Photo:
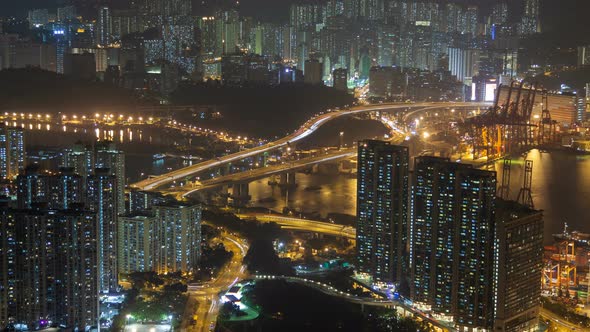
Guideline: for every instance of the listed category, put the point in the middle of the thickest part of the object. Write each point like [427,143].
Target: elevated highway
[260,173]
[306,225]
[305,130]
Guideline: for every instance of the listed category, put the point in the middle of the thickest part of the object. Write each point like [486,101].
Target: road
[207,296]
[304,224]
[568,326]
[305,130]
[259,173]
[330,290]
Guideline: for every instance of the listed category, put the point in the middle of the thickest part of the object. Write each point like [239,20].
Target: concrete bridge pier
[240,194]
[225,169]
[218,196]
[288,180]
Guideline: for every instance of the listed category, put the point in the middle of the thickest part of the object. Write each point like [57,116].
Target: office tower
[107,156]
[519,264]
[312,72]
[463,63]
[452,234]
[135,245]
[49,268]
[38,17]
[59,191]
[177,237]
[382,210]
[340,77]
[81,158]
[104,26]
[12,151]
[102,199]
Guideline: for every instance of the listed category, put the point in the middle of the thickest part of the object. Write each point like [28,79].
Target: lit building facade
[382,210]
[109,157]
[49,268]
[135,245]
[57,191]
[518,266]
[102,199]
[452,234]
[12,151]
[176,237]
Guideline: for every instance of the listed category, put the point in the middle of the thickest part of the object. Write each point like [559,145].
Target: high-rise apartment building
[104,30]
[135,245]
[12,151]
[499,13]
[141,201]
[176,237]
[59,191]
[81,158]
[518,266]
[452,234]
[48,268]
[102,199]
[530,22]
[382,210]
[109,157]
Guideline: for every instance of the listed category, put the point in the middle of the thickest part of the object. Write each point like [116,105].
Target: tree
[262,258]
[175,288]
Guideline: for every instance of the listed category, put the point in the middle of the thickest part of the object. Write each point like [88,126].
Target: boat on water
[313,188]
[579,238]
[159,156]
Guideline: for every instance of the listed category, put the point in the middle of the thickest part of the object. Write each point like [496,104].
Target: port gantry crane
[506,126]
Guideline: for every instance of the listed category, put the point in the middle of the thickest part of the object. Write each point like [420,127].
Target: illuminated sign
[490,91]
[423,23]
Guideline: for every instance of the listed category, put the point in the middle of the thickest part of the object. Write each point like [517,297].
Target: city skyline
[354,165]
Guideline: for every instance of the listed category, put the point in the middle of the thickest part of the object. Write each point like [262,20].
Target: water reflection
[560,187]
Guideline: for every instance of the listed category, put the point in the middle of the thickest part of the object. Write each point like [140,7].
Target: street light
[128,318]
